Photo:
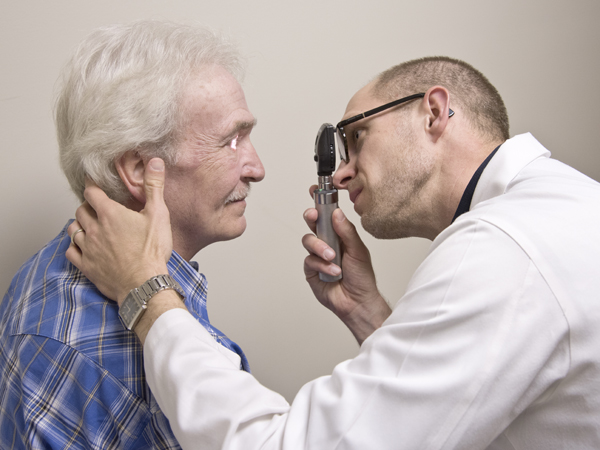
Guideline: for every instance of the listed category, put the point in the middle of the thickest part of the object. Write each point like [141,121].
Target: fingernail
[157,164]
[329,254]
[335,270]
[341,216]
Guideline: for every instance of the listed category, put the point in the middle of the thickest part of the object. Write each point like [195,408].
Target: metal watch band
[135,303]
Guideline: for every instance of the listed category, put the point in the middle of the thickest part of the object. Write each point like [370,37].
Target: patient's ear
[130,167]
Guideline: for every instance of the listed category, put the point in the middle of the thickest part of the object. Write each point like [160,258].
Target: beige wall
[306,60]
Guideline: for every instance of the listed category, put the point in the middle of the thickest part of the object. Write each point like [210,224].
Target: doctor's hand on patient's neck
[120,249]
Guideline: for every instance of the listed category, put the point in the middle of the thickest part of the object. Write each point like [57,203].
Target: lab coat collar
[510,159]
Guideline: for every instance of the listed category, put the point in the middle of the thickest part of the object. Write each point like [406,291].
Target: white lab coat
[495,345]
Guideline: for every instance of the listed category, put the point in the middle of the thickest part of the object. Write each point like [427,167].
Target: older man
[493,346]
[71,372]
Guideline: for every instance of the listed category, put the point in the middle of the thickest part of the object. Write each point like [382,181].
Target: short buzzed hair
[478,99]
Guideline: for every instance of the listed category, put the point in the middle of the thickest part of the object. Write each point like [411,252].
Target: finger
[77,234]
[93,194]
[314,264]
[317,247]
[73,252]
[84,216]
[346,230]
[312,189]
[75,225]
[310,217]
[75,256]
[154,183]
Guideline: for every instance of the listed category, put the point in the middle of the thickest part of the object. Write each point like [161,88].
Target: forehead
[362,101]
[215,101]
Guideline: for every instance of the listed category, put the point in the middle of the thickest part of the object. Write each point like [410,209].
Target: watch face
[135,303]
[131,311]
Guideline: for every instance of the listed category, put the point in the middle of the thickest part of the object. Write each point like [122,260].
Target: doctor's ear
[437,104]
[131,168]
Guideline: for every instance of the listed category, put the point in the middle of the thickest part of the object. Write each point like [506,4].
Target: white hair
[122,91]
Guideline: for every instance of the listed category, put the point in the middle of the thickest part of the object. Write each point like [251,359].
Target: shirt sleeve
[57,398]
[477,338]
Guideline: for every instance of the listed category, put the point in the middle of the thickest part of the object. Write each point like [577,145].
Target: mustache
[239,194]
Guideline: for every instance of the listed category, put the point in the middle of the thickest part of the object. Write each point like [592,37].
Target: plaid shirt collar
[195,286]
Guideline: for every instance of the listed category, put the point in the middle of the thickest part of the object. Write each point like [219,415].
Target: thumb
[154,181]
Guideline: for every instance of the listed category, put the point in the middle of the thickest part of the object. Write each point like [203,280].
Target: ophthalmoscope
[326,195]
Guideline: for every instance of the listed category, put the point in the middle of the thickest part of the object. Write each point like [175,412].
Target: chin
[235,230]
[381,228]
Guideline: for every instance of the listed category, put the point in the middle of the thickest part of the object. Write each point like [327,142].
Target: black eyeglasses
[341,135]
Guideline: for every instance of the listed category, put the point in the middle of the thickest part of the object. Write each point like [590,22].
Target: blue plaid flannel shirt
[71,376]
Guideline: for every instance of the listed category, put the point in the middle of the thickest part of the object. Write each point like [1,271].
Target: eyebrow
[243,125]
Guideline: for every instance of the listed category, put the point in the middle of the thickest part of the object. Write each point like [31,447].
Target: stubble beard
[394,209]
[387,217]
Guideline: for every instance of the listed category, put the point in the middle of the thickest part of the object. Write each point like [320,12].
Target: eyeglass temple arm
[392,104]
[343,123]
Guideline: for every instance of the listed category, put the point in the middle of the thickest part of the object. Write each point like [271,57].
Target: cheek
[185,190]
[203,183]
[372,172]
[226,174]
[217,165]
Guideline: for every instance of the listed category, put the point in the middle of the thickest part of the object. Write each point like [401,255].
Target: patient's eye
[233,142]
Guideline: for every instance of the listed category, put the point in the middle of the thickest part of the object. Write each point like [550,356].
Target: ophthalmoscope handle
[326,201]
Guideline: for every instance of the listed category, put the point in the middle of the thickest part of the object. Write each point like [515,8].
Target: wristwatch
[135,304]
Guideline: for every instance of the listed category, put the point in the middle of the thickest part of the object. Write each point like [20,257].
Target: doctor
[494,344]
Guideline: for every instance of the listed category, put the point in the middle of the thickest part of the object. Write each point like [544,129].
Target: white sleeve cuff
[178,323]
